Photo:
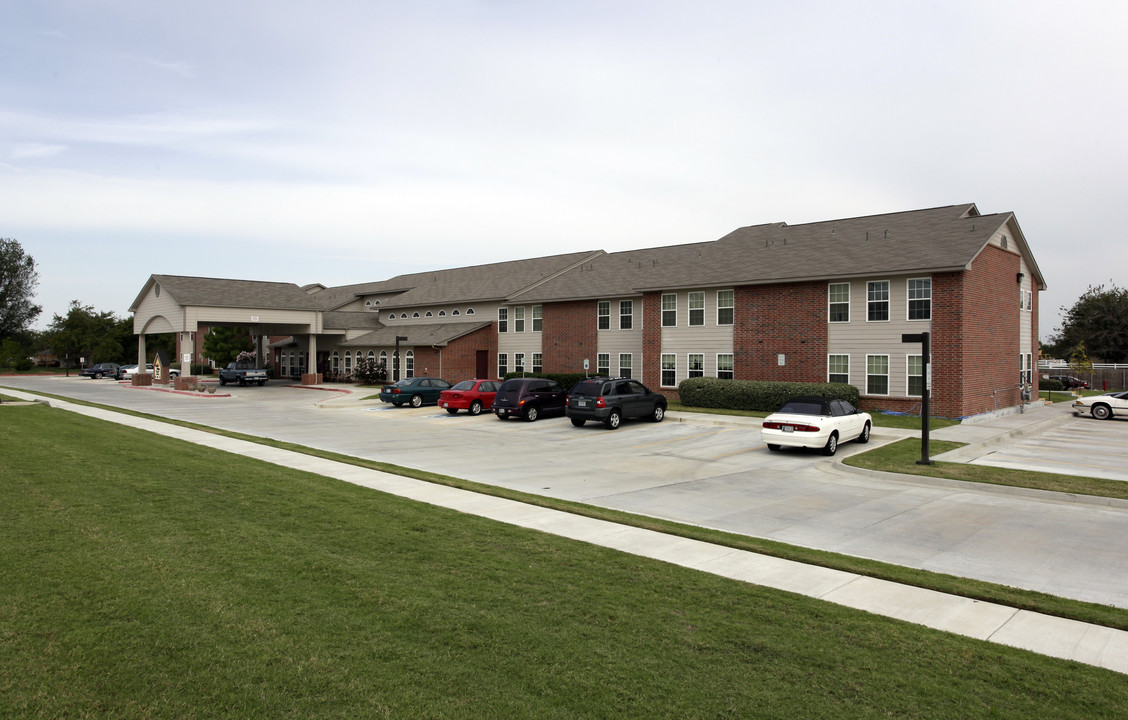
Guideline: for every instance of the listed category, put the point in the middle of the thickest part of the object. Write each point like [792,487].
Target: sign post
[926,360]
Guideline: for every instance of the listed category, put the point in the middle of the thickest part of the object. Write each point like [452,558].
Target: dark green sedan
[414,391]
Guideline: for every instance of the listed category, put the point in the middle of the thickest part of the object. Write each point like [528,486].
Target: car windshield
[802,408]
[510,385]
[588,387]
[464,385]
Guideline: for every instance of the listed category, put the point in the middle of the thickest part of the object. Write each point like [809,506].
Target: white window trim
[888,383]
[690,309]
[829,302]
[888,300]
[726,307]
[689,364]
[731,356]
[909,299]
[663,369]
[664,310]
[909,375]
[829,356]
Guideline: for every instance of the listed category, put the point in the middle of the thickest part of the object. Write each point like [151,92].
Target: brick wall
[460,357]
[771,320]
[569,336]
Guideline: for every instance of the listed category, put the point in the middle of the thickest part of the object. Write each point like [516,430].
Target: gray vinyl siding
[859,338]
[709,339]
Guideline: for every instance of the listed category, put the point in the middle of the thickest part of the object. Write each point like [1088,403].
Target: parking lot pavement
[704,472]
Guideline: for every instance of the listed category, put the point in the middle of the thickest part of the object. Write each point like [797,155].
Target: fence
[1103,376]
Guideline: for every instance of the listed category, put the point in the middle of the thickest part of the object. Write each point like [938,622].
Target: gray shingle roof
[421,334]
[936,239]
[217,292]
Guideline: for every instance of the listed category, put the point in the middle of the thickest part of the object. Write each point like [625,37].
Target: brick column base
[311,378]
[141,379]
[185,383]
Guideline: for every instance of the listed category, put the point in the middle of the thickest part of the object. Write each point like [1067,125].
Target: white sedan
[1102,407]
[816,422]
[129,371]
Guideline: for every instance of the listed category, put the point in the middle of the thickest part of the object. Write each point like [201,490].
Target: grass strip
[146,577]
[1022,599]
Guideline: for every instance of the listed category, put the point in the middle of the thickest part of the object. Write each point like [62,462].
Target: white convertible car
[1102,407]
[816,422]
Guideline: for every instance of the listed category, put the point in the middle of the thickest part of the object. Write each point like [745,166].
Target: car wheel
[261,383]
[578,422]
[452,411]
[864,437]
[773,447]
[658,414]
[831,446]
[242,382]
[613,420]
[97,376]
[501,416]
[475,408]
[223,381]
[531,413]
[1102,412]
[416,400]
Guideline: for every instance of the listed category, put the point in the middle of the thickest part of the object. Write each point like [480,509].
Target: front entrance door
[482,364]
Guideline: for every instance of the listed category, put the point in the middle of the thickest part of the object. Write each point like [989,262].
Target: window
[626,315]
[625,361]
[503,320]
[348,364]
[838,368]
[335,364]
[415,314]
[454,312]
[669,310]
[603,310]
[1027,368]
[519,362]
[442,313]
[519,318]
[724,366]
[838,302]
[669,370]
[877,301]
[428,314]
[537,364]
[915,364]
[1026,299]
[502,364]
[603,364]
[384,359]
[538,318]
[725,307]
[920,298]
[469,311]
[696,365]
[696,309]
[409,364]
[877,374]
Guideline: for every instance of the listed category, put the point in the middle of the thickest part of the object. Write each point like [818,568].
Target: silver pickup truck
[242,373]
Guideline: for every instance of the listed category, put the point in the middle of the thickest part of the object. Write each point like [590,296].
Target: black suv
[528,398]
[609,400]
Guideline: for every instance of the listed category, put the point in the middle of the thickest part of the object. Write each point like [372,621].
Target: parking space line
[679,439]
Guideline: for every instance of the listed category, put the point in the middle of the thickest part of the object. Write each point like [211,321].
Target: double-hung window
[625,363]
[838,302]
[724,366]
[502,364]
[877,374]
[838,368]
[603,364]
[669,370]
[726,304]
[915,365]
[603,314]
[538,318]
[538,365]
[519,318]
[696,309]
[626,315]
[518,362]
[503,320]
[877,301]
[920,298]
[669,310]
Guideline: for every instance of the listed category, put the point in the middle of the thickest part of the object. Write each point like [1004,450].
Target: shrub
[757,395]
[23,364]
[370,371]
[1047,384]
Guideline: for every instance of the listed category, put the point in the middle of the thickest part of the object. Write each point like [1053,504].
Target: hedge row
[1046,384]
[758,395]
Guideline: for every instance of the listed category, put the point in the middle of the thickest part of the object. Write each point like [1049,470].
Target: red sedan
[473,396]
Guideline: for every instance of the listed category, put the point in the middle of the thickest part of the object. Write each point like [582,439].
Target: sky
[347,141]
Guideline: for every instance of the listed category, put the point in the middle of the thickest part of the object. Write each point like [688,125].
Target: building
[812,302]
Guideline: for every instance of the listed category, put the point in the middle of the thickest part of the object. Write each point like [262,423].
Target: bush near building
[756,395]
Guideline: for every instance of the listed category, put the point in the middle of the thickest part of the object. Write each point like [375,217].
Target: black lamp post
[396,358]
[926,361]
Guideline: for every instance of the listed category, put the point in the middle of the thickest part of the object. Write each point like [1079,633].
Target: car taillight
[798,428]
[600,402]
[395,390]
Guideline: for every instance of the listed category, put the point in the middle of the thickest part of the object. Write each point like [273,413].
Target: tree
[18,279]
[223,344]
[85,333]
[1099,320]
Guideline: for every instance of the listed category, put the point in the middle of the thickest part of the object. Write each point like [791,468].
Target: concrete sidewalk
[1047,635]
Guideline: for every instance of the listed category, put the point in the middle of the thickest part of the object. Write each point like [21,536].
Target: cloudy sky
[346,141]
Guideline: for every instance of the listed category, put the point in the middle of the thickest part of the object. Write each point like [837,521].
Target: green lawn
[144,577]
